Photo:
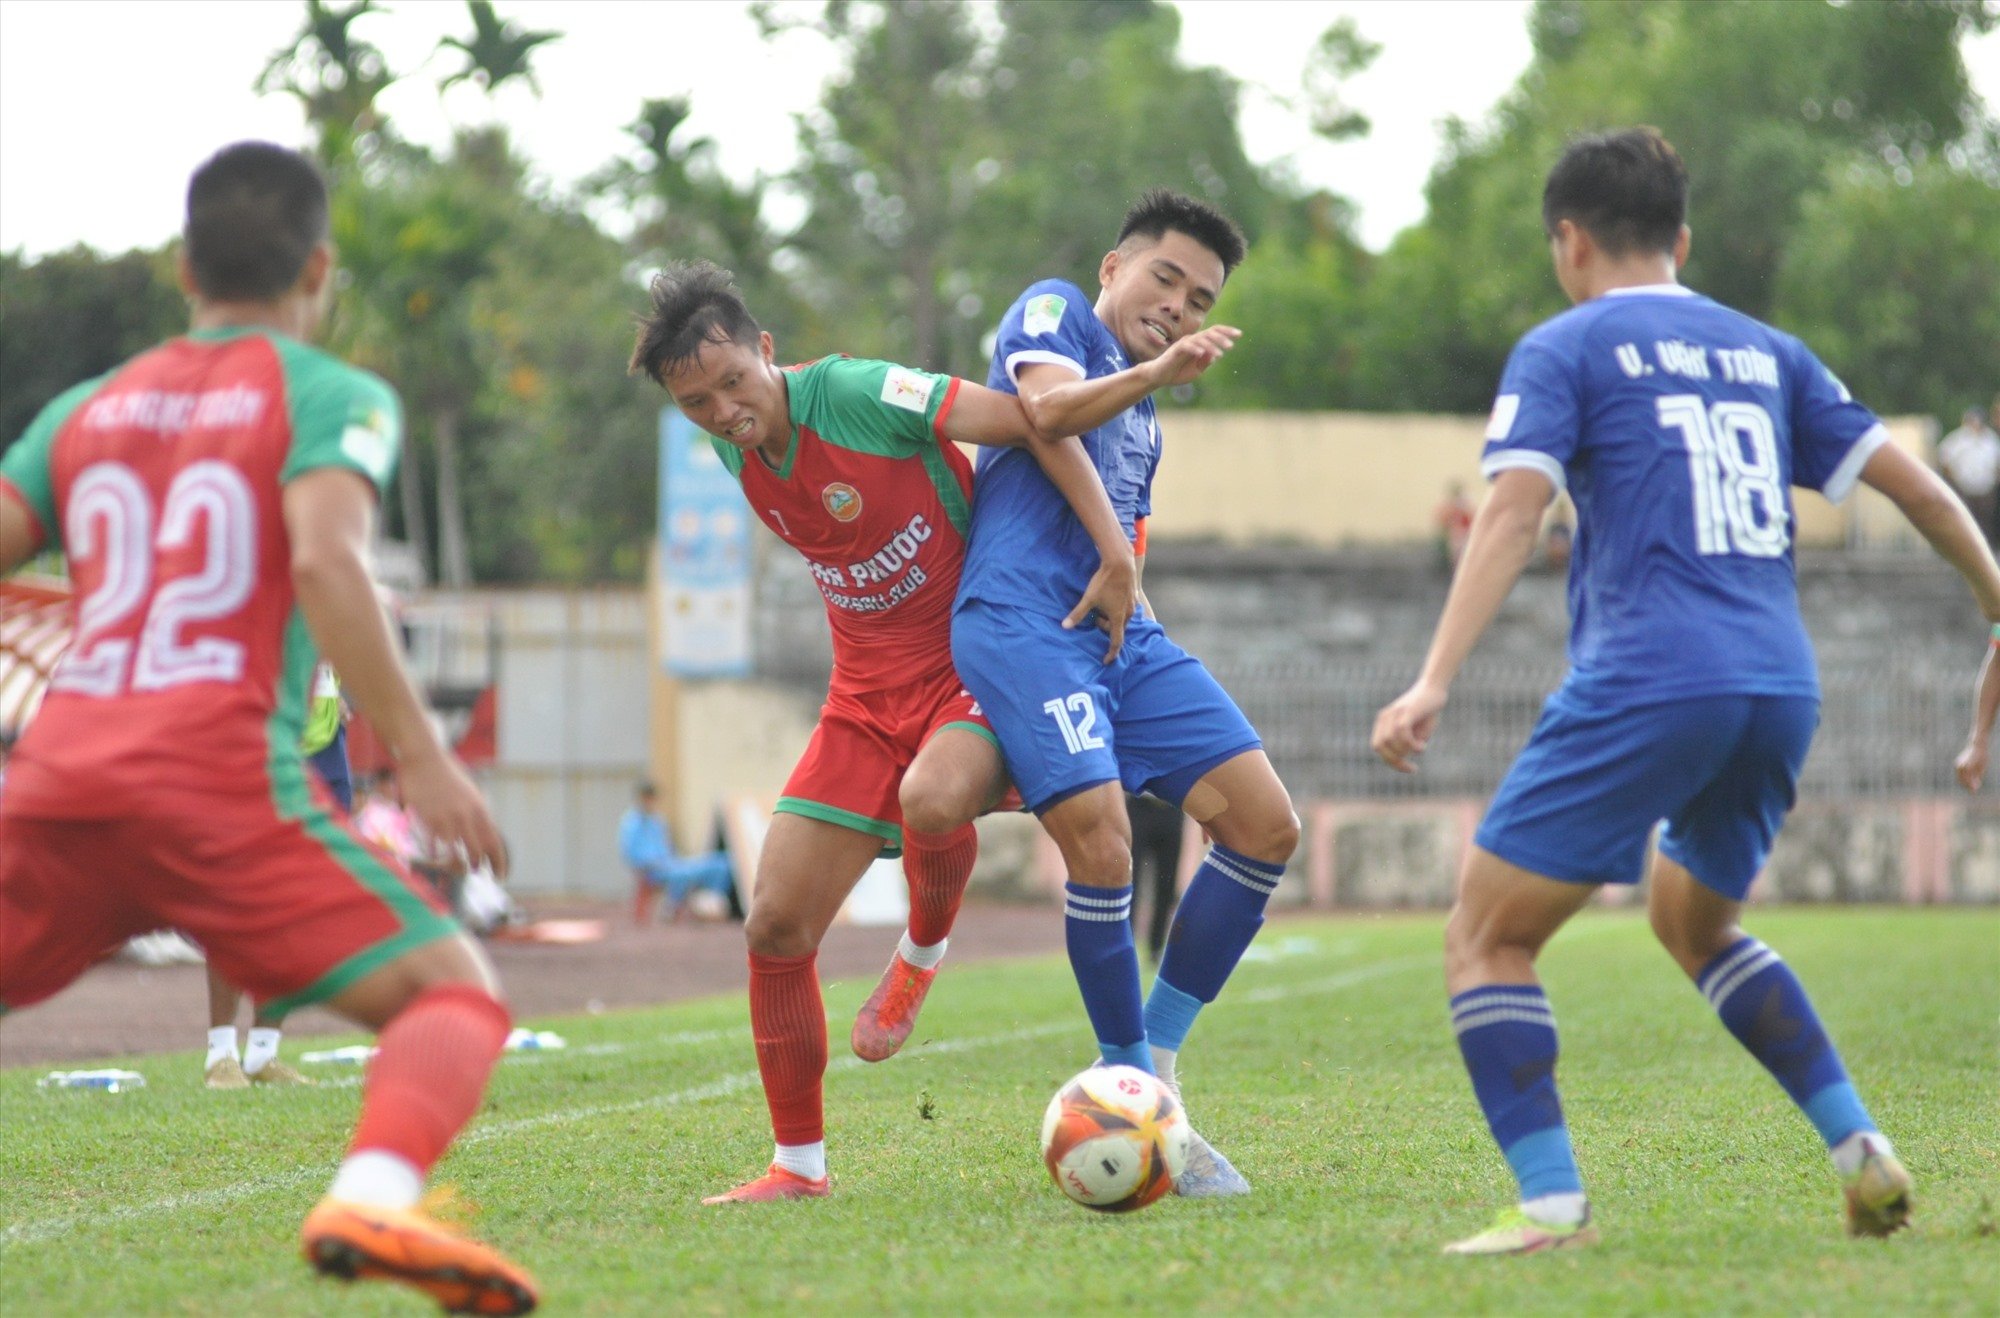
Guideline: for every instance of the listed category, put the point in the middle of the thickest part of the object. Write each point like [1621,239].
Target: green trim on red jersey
[342,416]
[25,465]
[871,407]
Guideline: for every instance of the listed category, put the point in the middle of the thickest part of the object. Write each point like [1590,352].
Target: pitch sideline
[29,1233]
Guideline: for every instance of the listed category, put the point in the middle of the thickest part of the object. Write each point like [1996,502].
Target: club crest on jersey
[842,500]
[907,389]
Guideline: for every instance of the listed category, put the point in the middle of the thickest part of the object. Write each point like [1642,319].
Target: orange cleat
[771,1186]
[357,1242]
[890,1013]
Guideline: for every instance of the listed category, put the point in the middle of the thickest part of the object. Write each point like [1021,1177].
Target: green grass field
[1327,1073]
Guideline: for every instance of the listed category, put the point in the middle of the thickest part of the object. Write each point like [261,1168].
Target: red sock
[425,1083]
[788,1021]
[937,866]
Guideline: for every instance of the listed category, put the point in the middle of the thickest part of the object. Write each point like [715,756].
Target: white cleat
[1208,1174]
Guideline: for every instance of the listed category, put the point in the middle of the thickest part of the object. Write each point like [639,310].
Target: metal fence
[1312,645]
[1888,726]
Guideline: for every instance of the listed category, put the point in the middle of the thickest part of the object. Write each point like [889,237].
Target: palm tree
[498,50]
[336,77]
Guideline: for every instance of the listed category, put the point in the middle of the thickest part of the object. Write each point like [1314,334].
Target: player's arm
[329,515]
[1943,519]
[1503,538]
[1971,762]
[1059,403]
[980,415]
[20,532]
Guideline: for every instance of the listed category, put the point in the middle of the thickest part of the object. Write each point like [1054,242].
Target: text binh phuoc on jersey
[877,501]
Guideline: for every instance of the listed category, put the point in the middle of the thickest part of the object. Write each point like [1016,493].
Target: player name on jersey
[1690,361]
[167,413]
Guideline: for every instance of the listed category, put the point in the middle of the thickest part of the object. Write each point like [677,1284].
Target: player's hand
[445,800]
[1112,594]
[1185,359]
[1404,726]
[1971,766]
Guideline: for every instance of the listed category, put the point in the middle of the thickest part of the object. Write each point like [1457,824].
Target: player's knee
[1101,858]
[772,932]
[1691,942]
[931,805]
[1280,840]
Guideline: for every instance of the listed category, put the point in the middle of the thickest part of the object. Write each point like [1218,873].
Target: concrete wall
[1377,855]
[1358,478]
[572,733]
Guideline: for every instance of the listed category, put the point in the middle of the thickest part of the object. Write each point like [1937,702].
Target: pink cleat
[773,1185]
[890,1013]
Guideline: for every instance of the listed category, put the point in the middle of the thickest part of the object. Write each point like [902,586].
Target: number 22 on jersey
[109,524]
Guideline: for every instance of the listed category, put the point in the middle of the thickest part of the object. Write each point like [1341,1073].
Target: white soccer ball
[1115,1139]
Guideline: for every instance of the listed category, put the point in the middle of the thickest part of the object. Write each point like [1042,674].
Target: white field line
[29,1233]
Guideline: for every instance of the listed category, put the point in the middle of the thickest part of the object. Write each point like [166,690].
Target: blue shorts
[1153,719]
[1586,791]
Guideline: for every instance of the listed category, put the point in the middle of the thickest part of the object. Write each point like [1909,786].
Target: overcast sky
[107,105]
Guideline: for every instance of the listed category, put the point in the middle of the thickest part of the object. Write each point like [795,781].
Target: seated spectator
[648,851]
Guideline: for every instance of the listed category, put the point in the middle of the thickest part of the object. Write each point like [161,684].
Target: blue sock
[1097,926]
[1766,1008]
[1221,913]
[1507,1035]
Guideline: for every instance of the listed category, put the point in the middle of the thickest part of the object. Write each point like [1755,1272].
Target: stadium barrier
[1406,854]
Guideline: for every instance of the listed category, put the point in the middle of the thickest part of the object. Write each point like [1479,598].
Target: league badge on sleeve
[367,444]
[908,390]
[1043,314]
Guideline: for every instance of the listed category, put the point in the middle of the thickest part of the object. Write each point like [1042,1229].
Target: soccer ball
[1115,1138]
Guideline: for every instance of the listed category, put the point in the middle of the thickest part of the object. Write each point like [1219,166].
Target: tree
[334,75]
[497,52]
[72,315]
[884,172]
[1894,278]
[1763,100]
[945,169]
[682,206]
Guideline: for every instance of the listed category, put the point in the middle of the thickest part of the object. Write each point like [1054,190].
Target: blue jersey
[1028,550]
[1679,427]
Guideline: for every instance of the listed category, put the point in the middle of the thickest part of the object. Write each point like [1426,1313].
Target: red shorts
[853,767]
[290,911]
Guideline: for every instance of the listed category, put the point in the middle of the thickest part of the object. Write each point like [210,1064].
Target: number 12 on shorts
[1075,714]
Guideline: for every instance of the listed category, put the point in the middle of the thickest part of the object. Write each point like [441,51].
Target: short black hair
[694,302]
[255,211]
[1161,209]
[1627,188]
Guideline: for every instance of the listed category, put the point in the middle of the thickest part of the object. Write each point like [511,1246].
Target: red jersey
[162,482]
[878,502]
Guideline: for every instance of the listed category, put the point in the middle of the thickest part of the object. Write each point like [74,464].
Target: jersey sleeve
[878,406]
[25,468]
[1049,324]
[1537,417]
[1832,435]
[342,417]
